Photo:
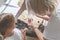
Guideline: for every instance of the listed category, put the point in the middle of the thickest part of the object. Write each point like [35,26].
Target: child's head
[7,24]
[42,6]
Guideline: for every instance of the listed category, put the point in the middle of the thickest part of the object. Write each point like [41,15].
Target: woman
[47,7]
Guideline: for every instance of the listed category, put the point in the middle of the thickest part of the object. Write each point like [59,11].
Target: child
[8,30]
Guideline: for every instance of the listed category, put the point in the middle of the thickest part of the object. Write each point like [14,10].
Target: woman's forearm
[39,34]
[45,17]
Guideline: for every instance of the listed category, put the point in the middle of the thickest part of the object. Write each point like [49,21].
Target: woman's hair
[41,6]
[1,37]
[6,21]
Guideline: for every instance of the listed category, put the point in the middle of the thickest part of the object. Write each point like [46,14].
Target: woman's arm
[38,33]
[36,30]
[46,17]
[23,7]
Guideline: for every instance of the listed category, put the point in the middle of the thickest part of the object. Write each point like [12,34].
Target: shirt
[52,31]
[16,36]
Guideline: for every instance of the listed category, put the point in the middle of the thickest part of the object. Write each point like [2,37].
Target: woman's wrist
[35,28]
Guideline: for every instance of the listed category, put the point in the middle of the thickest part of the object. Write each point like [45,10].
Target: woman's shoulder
[58,7]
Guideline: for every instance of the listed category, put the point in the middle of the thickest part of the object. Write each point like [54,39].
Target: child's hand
[24,33]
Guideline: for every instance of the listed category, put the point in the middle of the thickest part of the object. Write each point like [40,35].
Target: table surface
[24,18]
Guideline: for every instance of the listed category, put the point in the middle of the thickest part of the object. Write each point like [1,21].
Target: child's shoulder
[16,30]
[16,36]
[17,33]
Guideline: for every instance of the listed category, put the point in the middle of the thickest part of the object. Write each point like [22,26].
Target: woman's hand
[46,17]
[30,24]
[36,30]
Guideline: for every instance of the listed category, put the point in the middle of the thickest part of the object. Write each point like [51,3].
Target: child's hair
[6,21]
[39,6]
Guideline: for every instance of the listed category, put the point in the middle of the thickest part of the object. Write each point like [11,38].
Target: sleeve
[18,34]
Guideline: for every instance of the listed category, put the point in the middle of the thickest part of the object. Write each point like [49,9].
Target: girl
[8,30]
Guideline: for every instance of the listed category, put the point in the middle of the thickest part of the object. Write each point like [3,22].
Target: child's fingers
[24,33]
[24,30]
